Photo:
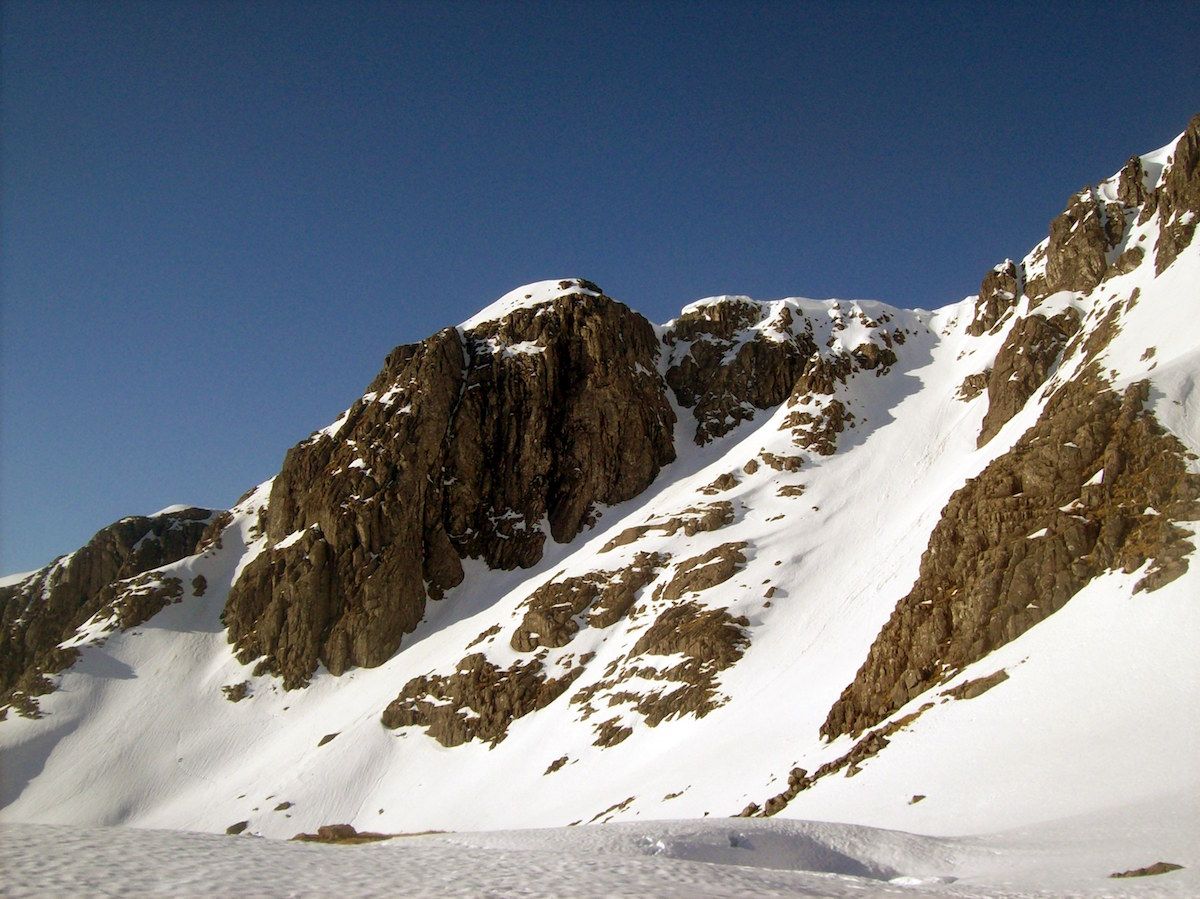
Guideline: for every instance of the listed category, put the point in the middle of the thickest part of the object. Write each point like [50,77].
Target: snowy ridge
[809,519]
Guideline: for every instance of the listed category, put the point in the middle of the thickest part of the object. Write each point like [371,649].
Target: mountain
[824,559]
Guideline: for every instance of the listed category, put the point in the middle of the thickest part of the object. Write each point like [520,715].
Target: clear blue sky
[217,218]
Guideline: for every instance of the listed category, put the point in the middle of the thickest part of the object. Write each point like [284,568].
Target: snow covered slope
[823,559]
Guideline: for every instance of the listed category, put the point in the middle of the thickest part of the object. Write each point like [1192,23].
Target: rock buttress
[49,606]
[461,447]
[1096,484]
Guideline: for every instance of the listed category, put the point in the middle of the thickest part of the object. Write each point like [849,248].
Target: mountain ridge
[564,536]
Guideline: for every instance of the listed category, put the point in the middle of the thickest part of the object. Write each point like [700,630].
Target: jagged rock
[1076,256]
[1131,183]
[1096,484]
[691,521]
[49,606]
[236,692]
[478,701]
[554,609]
[710,640]
[722,392]
[1150,870]
[998,294]
[1177,199]
[1028,354]
[1125,263]
[706,570]
[969,689]
[462,445]
[973,385]
[817,431]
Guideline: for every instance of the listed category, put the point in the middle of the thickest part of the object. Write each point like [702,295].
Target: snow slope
[668,858]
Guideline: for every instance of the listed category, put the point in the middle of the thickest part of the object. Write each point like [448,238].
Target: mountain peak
[530,296]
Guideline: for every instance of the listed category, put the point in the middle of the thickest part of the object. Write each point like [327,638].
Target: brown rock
[1017,542]
[459,448]
[48,607]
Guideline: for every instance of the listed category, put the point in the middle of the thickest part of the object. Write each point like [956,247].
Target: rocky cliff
[559,564]
[46,608]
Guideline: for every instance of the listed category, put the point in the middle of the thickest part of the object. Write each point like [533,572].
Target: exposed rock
[1150,870]
[997,295]
[235,829]
[1177,199]
[817,431]
[851,762]
[723,392]
[782,463]
[199,585]
[341,834]
[478,701]
[790,490]
[973,385]
[556,764]
[1029,353]
[969,689]
[283,806]
[1125,263]
[48,607]
[1095,485]
[462,445]
[327,738]
[1131,183]
[707,570]
[554,609]
[611,732]
[722,483]
[711,640]
[236,692]
[1076,256]
[485,634]
[691,521]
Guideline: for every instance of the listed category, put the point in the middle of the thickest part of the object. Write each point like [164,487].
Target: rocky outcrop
[462,447]
[690,521]
[706,570]
[1095,485]
[46,608]
[1026,358]
[1077,253]
[710,640]
[478,701]
[1177,199]
[554,610]
[724,371]
[1001,288]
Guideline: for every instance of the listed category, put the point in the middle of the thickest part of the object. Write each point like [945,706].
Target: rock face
[478,701]
[1028,354]
[1080,238]
[998,293]
[1096,485]
[47,608]
[1177,199]
[462,446]
[724,391]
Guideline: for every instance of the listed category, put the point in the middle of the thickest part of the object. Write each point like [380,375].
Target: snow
[171,510]
[9,580]
[1081,763]
[529,296]
[714,858]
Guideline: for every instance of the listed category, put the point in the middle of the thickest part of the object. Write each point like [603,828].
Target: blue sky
[217,218]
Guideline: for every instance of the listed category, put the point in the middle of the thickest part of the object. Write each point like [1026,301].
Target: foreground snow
[712,857]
